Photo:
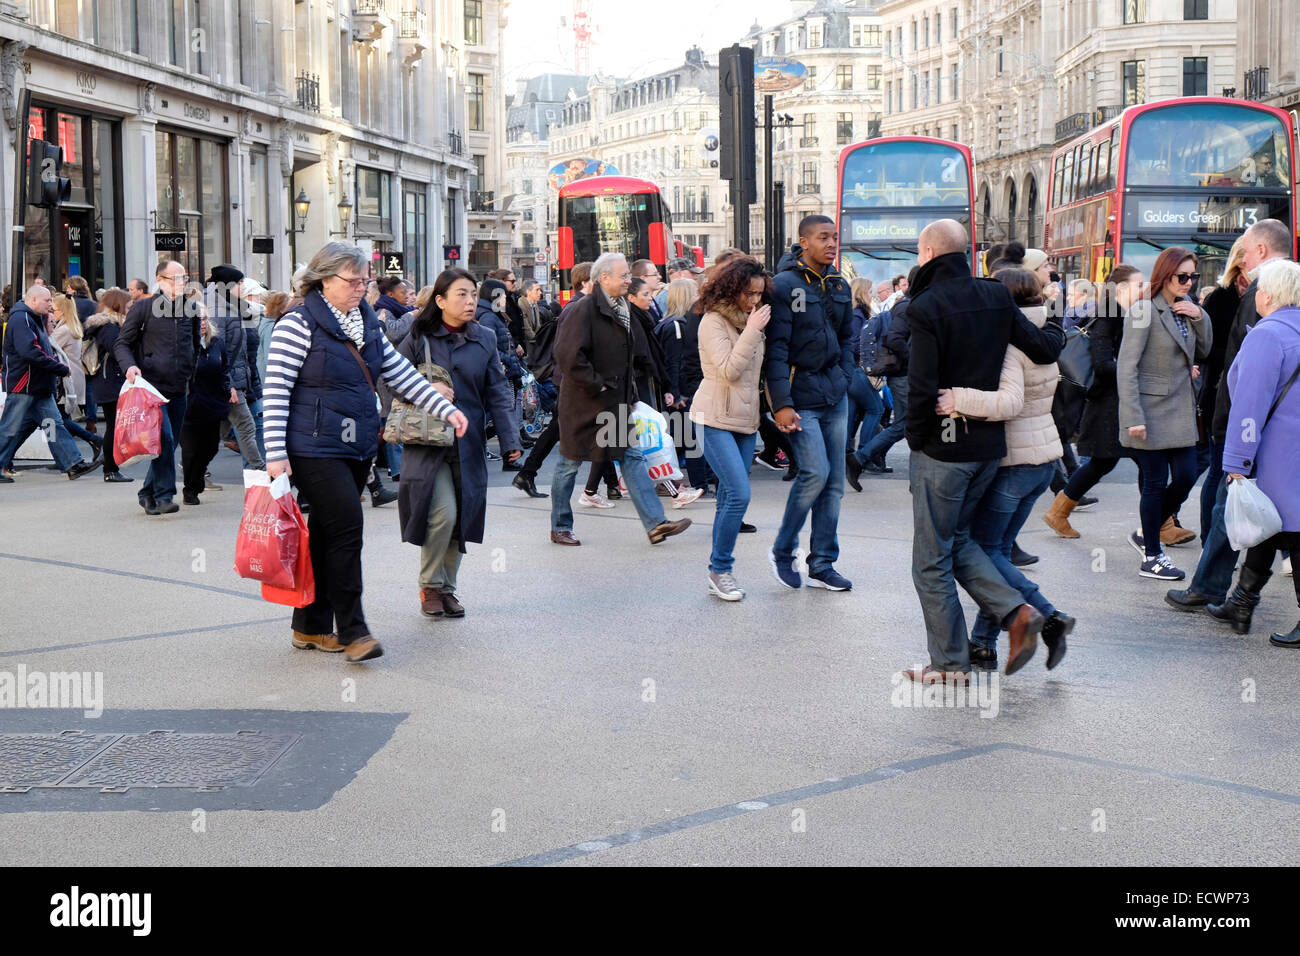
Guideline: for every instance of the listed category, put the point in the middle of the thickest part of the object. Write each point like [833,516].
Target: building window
[916,88]
[191,175]
[476,90]
[925,32]
[809,184]
[415,229]
[914,36]
[954,23]
[954,81]
[478,178]
[810,84]
[938,85]
[1135,11]
[1001,56]
[844,77]
[889,96]
[955,130]
[474,22]
[865,34]
[1135,81]
[809,129]
[843,129]
[259,207]
[1196,76]
[938,28]
[374,203]
[1196,9]
[814,35]
[873,77]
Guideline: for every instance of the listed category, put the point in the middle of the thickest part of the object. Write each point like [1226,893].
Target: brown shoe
[320,642]
[231,444]
[1023,637]
[1058,516]
[431,602]
[564,537]
[667,529]
[1172,533]
[932,675]
[362,649]
[453,607]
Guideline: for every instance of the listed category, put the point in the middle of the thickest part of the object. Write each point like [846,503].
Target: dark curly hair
[731,279]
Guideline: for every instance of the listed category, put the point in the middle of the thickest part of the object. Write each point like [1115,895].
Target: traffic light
[736,146]
[45,185]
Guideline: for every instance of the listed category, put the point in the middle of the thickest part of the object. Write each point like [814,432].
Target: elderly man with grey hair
[31,371]
[594,356]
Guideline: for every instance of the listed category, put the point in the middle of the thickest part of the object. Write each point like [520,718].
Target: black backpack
[542,359]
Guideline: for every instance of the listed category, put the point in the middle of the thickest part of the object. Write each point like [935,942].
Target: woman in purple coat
[1264,434]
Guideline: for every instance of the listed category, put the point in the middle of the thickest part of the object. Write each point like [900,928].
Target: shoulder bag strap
[365,370]
[1285,389]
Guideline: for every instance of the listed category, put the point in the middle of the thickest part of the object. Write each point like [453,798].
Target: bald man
[961,327]
[31,374]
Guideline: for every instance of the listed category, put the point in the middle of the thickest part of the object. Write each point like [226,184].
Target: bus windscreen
[617,223]
[906,174]
[1208,145]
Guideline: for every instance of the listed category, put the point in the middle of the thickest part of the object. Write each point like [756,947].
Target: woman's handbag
[1075,360]
[409,424]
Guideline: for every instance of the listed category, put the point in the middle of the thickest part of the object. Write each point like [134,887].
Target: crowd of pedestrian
[805,371]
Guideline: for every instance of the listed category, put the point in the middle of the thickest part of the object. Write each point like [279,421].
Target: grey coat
[229,314]
[1154,375]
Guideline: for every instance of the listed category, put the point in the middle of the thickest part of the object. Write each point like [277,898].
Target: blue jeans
[22,416]
[160,483]
[636,475]
[394,453]
[1210,487]
[76,431]
[886,439]
[998,519]
[945,496]
[866,409]
[730,454]
[1213,574]
[1166,476]
[819,486]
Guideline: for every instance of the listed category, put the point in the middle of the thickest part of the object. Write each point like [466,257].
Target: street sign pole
[769,222]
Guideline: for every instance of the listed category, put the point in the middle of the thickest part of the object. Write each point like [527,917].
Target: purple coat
[1268,356]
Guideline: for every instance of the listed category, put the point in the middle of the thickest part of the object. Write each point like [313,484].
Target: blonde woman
[106,384]
[68,334]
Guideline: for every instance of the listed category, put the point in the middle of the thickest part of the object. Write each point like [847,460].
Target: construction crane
[582,34]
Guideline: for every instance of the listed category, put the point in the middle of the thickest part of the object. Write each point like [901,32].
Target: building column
[139,194]
[433,228]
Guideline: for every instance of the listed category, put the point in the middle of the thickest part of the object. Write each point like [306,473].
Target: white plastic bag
[1249,517]
[651,433]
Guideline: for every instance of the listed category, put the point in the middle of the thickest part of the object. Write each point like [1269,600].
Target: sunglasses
[1186,277]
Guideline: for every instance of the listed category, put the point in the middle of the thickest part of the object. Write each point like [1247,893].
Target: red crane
[582,37]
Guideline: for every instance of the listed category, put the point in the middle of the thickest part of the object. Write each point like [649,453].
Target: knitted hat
[226,274]
[1034,258]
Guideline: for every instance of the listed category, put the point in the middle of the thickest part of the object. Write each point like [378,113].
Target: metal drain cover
[120,762]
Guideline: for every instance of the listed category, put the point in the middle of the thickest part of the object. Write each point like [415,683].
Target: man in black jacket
[960,329]
[1267,239]
[159,340]
[227,307]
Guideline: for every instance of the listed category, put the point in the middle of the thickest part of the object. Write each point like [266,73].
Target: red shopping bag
[137,432]
[304,590]
[270,532]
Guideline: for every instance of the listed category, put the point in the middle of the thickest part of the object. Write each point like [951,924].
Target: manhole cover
[159,758]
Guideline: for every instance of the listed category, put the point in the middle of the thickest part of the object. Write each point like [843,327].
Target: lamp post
[345,214]
[300,207]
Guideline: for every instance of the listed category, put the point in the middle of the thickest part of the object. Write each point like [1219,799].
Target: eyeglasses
[356,283]
[178,277]
[1186,277]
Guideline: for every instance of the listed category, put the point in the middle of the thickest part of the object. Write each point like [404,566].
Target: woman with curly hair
[726,406]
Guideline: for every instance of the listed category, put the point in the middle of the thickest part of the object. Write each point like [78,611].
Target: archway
[1031,211]
[1012,198]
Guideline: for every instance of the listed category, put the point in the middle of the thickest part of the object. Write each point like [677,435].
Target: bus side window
[1067,187]
[1114,158]
[1085,173]
[1103,167]
[1058,179]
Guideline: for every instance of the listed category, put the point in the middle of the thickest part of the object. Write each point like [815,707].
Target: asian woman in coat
[442,494]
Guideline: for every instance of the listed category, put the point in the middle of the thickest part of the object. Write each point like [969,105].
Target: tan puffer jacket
[1023,400]
[731,358]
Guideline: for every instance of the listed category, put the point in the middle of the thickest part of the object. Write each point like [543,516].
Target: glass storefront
[85,235]
[192,191]
[259,214]
[415,235]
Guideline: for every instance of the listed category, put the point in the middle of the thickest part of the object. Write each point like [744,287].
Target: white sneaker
[596,500]
[686,496]
[725,587]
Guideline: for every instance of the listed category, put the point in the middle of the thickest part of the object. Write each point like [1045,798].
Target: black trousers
[547,440]
[199,443]
[335,524]
[599,470]
[109,410]
[1260,558]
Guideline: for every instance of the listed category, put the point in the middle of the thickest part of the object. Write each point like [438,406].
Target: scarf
[353,326]
[620,308]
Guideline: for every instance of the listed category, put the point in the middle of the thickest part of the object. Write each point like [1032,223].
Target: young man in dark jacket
[31,371]
[807,369]
[960,329]
[159,340]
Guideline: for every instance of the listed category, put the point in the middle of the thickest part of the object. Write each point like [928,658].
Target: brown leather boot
[431,602]
[1022,637]
[1058,515]
[321,642]
[362,649]
[1171,532]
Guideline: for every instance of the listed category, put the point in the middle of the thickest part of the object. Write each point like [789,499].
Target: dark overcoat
[594,354]
[481,388]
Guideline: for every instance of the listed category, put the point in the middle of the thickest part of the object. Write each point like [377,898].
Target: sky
[632,38]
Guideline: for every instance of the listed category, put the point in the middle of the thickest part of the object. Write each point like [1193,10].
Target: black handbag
[1075,360]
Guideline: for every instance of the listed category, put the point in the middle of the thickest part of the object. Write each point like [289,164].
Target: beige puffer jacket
[731,358]
[1023,400]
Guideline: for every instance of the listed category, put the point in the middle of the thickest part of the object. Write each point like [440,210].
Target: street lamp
[300,207]
[345,214]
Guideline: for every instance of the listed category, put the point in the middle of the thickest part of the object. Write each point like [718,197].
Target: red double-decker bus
[611,214]
[890,189]
[1193,172]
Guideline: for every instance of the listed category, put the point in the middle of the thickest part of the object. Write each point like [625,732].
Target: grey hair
[605,264]
[1280,280]
[332,257]
[528,285]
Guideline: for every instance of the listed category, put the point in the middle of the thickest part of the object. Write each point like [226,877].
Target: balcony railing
[1072,126]
[807,142]
[694,215]
[809,189]
[309,92]
[456,143]
[412,27]
[370,8]
[1255,83]
[482,201]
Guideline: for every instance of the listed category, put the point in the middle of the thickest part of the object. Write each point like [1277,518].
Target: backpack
[542,359]
[90,357]
[869,341]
